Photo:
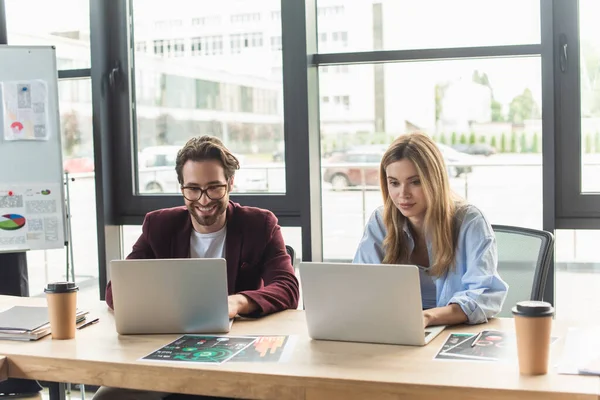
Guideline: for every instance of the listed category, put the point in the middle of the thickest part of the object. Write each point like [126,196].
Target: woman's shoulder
[470,215]
[376,218]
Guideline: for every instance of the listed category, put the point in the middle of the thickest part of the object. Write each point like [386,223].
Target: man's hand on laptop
[240,304]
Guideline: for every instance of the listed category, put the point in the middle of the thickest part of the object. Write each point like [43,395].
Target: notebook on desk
[28,323]
[364,303]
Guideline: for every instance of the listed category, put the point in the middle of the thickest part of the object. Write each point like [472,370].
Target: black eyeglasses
[213,192]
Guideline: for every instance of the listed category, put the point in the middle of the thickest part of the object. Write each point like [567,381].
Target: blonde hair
[439,224]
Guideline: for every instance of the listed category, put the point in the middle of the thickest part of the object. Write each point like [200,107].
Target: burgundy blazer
[258,265]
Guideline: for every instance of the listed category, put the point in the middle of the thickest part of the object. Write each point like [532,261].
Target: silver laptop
[170,296]
[364,303]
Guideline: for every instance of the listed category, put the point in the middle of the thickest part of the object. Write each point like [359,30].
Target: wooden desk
[317,369]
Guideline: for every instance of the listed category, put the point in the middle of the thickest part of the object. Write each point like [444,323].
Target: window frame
[129,207]
[575,209]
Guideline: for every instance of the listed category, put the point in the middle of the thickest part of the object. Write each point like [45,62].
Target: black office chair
[524,258]
[292,253]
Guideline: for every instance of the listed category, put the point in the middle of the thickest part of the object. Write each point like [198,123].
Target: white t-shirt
[208,245]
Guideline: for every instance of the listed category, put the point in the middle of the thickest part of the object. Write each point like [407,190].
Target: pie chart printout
[11,222]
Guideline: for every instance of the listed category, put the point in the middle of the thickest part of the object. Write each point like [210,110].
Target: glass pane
[590,94]
[61,23]
[78,159]
[485,115]
[365,25]
[206,68]
[578,274]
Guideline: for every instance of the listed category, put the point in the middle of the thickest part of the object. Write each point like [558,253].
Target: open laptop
[364,303]
[170,295]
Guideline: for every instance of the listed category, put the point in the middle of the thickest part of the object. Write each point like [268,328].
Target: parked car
[360,165]
[451,156]
[349,172]
[77,165]
[476,149]
[278,156]
[156,172]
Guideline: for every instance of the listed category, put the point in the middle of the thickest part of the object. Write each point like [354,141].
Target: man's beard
[208,220]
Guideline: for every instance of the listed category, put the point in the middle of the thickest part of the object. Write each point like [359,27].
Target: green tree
[493,142]
[481,78]
[463,138]
[523,107]
[524,147]
[482,139]
[497,115]
[496,107]
[597,142]
[443,139]
[71,133]
[535,145]
[590,78]
[453,139]
[588,143]
[503,143]
[440,92]
[472,138]
[513,143]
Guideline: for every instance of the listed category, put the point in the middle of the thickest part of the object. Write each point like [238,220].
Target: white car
[156,172]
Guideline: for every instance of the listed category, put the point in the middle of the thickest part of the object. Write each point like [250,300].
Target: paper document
[219,349]
[31,216]
[581,352]
[201,349]
[25,110]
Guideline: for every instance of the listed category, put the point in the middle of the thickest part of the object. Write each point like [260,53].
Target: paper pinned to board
[31,216]
[25,110]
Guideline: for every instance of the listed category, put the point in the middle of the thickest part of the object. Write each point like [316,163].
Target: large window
[63,23]
[590,94]
[485,116]
[577,274]
[481,77]
[363,25]
[222,78]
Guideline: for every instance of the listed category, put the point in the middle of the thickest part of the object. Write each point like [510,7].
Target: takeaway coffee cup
[533,325]
[62,308]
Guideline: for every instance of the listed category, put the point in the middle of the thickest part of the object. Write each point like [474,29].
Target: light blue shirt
[428,290]
[473,284]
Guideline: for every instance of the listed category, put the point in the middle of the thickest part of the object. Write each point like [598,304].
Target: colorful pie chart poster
[31,217]
[25,110]
[11,222]
[201,349]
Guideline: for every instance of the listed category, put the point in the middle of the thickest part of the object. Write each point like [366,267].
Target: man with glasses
[260,276]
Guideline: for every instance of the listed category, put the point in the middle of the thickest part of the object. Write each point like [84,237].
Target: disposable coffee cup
[533,325]
[62,309]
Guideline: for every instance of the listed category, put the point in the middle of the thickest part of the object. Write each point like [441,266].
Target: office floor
[72,395]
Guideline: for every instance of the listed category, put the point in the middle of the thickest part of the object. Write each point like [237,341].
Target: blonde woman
[423,223]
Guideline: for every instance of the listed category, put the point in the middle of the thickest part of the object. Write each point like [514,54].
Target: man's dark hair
[205,148]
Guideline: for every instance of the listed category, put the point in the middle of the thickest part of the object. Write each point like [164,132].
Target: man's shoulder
[247,214]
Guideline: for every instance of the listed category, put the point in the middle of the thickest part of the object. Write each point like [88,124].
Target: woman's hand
[451,314]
